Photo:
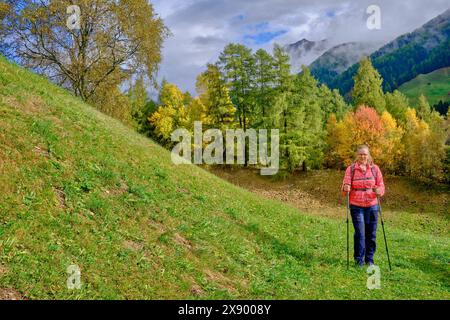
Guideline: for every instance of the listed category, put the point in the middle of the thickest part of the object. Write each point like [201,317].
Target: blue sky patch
[238,18]
[262,37]
[258,26]
[331,14]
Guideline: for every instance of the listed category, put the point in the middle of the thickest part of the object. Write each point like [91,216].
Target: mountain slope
[420,52]
[79,188]
[339,58]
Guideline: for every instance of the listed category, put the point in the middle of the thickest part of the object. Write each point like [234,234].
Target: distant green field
[435,86]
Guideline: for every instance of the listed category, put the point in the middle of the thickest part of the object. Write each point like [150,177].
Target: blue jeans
[365,222]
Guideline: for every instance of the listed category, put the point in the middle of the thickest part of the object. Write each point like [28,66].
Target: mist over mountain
[339,58]
[304,52]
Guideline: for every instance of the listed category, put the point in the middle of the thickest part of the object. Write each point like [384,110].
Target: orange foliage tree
[364,126]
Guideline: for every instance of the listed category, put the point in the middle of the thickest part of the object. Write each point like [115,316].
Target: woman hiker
[364,181]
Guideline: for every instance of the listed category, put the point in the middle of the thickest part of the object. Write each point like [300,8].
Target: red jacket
[364,198]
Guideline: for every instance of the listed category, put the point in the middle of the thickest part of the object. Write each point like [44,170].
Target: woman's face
[363,156]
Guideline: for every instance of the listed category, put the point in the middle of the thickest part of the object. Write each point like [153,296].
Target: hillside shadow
[280,248]
[438,270]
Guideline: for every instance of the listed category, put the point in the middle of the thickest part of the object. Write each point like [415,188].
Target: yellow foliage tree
[172,113]
[391,144]
[177,110]
[215,96]
[196,111]
[339,140]
[424,147]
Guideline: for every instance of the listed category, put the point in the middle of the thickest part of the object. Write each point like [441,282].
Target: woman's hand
[377,191]
[346,188]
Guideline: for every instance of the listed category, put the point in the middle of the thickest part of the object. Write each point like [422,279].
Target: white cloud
[201,28]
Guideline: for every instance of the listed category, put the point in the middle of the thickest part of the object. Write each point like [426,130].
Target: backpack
[374,173]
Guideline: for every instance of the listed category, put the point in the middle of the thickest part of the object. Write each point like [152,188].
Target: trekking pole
[348,210]
[384,233]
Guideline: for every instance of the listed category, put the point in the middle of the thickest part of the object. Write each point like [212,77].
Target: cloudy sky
[201,28]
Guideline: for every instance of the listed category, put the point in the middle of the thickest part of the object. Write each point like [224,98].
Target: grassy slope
[437,90]
[77,187]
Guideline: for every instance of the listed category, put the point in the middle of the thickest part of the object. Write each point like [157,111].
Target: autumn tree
[368,88]
[423,108]
[114,42]
[171,114]
[397,104]
[424,147]
[215,96]
[196,111]
[391,146]
[340,137]
[111,101]
[381,133]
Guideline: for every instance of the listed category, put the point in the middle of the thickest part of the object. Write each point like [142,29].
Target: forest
[318,129]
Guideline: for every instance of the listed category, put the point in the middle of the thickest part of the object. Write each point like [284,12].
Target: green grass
[77,187]
[435,86]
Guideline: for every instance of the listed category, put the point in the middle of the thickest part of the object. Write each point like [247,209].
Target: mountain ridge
[339,58]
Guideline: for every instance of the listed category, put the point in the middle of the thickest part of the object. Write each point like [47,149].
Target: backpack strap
[374,172]
[352,168]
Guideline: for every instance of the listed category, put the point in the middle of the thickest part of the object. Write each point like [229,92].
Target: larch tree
[397,104]
[264,77]
[282,109]
[237,65]
[423,108]
[311,138]
[215,96]
[332,102]
[283,80]
[368,88]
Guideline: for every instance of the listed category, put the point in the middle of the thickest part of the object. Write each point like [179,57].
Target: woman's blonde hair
[364,147]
